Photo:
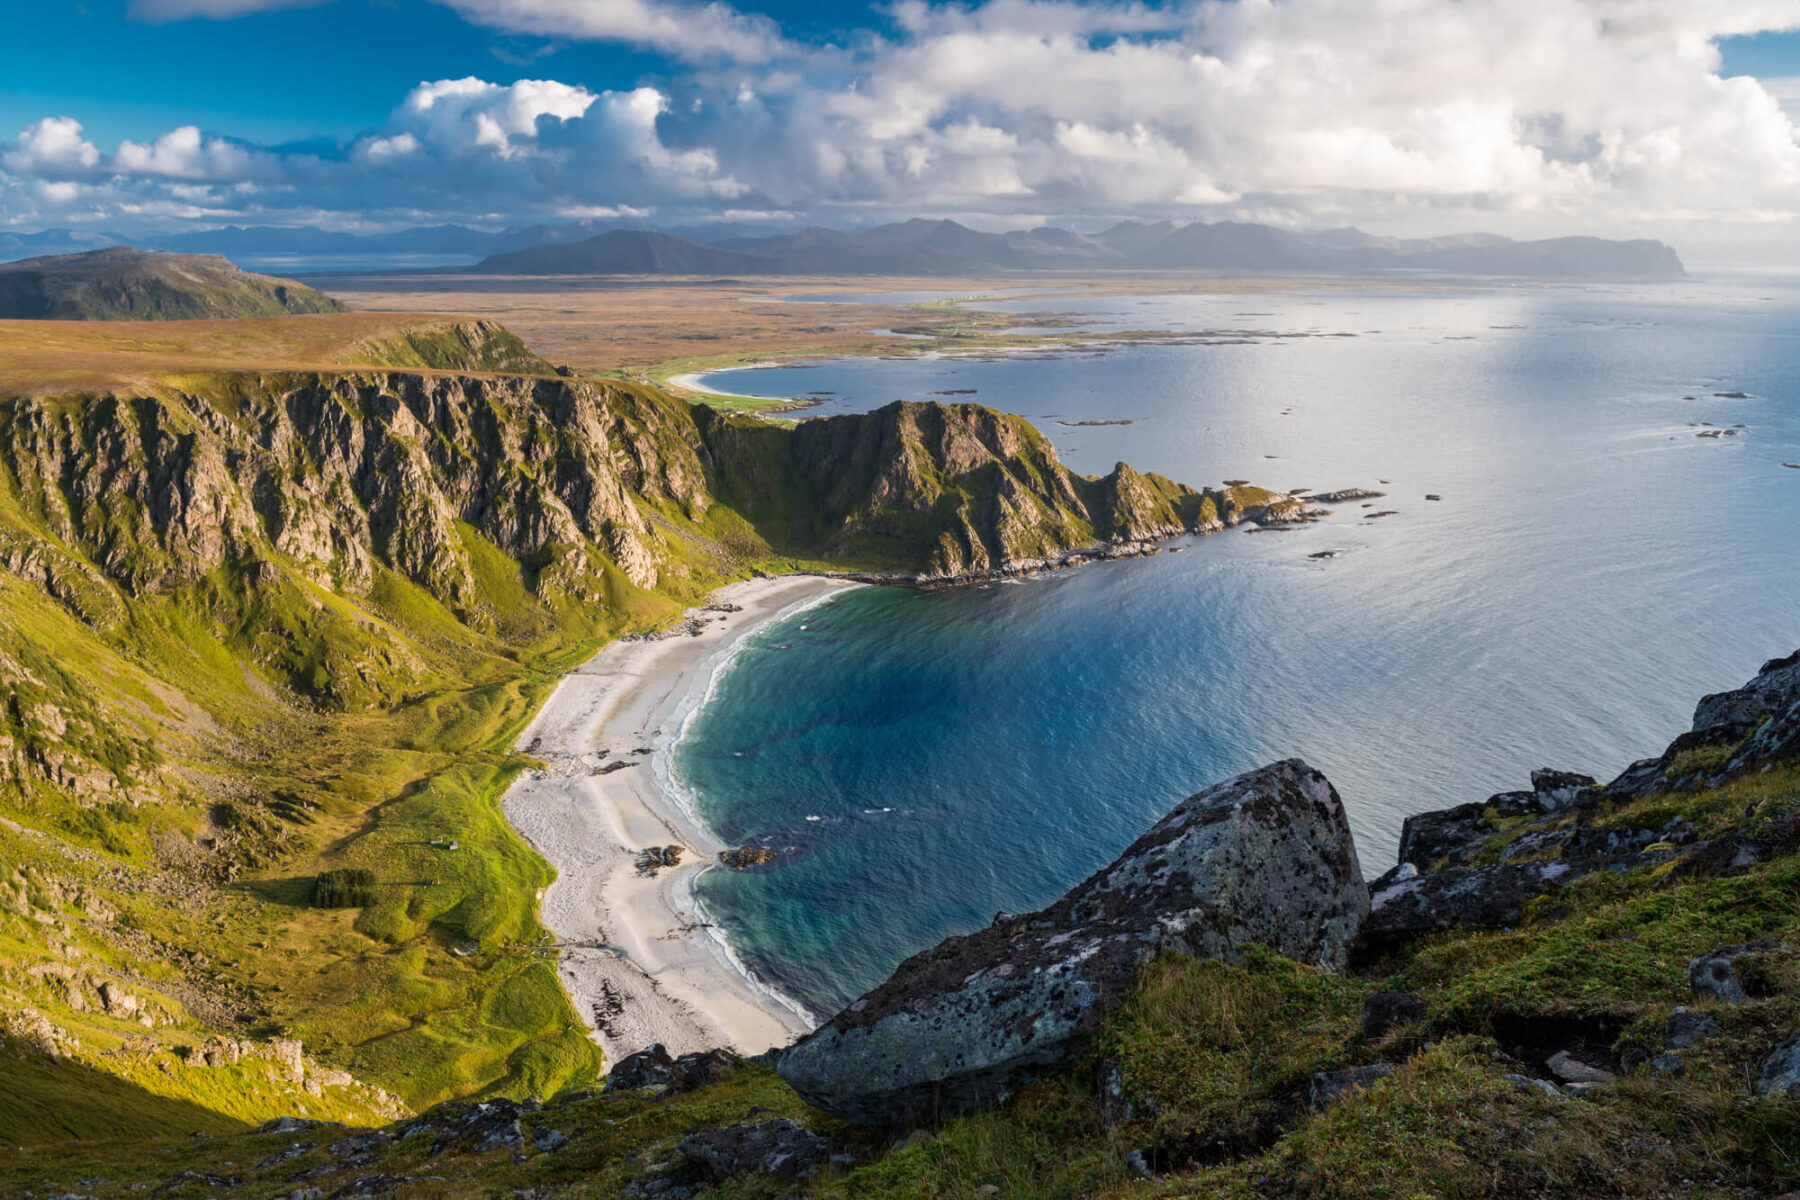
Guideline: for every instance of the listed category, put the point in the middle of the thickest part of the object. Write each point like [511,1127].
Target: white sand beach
[693,381]
[636,958]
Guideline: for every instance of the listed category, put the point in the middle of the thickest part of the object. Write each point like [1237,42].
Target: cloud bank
[1528,114]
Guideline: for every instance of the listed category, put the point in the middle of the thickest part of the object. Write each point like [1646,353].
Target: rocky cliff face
[1264,859]
[941,492]
[335,478]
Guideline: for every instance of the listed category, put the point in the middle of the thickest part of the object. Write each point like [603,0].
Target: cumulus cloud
[53,148]
[1568,113]
[186,153]
[687,31]
[472,114]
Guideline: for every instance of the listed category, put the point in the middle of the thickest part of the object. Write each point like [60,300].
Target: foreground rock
[779,1147]
[1264,858]
[654,1070]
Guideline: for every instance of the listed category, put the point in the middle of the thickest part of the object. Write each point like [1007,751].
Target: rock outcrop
[949,491]
[1482,865]
[1264,858]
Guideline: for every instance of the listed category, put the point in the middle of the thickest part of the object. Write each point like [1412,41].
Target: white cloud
[687,31]
[462,114]
[1603,115]
[1786,90]
[52,149]
[186,153]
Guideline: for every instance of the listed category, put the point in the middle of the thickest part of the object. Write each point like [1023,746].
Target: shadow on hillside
[62,1100]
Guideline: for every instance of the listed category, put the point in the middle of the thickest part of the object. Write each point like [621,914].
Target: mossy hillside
[464,345]
[267,793]
[121,284]
[219,681]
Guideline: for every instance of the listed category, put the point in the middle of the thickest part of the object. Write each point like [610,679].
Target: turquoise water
[1592,568]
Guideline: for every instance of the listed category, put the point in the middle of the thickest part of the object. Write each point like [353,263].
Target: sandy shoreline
[635,959]
[690,382]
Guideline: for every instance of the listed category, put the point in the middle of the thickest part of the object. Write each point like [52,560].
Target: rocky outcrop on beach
[1265,858]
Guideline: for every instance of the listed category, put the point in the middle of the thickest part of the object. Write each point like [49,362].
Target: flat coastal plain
[635,952]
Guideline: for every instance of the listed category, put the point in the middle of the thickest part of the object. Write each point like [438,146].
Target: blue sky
[1401,115]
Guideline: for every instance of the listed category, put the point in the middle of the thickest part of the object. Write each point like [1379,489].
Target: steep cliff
[939,492]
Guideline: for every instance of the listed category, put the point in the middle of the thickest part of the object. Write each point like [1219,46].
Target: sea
[1591,518]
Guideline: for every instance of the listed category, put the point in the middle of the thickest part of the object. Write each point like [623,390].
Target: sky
[1626,118]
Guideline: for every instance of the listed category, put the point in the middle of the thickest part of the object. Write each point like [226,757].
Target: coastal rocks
[747,856]
[1448,837]
[780,1148]
[1733,733]
[1482,865]
[1461,897]
[1345,495]
[654,1070]
[655,858]
[1557,791]
[1716,975]
[1264,858]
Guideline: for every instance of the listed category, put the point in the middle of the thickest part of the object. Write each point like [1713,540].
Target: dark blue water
[1592,568]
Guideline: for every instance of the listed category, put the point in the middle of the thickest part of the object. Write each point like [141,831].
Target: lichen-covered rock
[1780,1074]
[1560,790]
[1684,1030]
[1716,974]
[779,1147]
[1264,858]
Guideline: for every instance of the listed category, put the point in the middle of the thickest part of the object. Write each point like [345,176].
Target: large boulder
[1265,858]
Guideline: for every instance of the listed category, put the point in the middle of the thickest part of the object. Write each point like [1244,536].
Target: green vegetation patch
[350,887]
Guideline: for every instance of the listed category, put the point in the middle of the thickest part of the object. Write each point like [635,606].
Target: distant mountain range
[916,247]
[922,247]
